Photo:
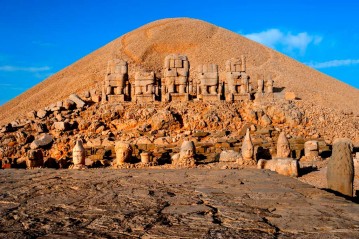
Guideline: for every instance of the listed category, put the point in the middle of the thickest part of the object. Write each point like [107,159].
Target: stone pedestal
[145,98]
[178,97]
[211,97]
[237,97]
[115,98]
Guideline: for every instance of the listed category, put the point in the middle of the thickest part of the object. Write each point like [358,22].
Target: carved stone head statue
[123,152]
[247,147]
[283,148]
[188,150]
[78,153]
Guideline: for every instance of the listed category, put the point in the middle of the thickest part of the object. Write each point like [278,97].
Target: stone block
[229,156]
[43,141]
[179,97]
[41,114]
[77,100]
[116,98]
[283,166]
[211,98]
[61,126]
[145,98]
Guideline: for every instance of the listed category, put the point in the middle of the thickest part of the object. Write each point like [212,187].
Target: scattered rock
[43,141]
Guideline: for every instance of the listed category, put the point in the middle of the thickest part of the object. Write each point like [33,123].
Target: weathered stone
[284,166]
[43,141]
[41,114]
[34,159]
[78,156]
[283,147]
[176,86]
[248,150]
[144,86]
[31,115]
[209,82]
[229,156]
[340,172]
[40,128]
[185,158]
[311,149]
[116,85]
[77,100]
[123,154]
[69,104]
[237,81]
[62,126]
[146,157]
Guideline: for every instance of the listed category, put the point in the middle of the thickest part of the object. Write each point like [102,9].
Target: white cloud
[287,41]
[333,63]
[25,69]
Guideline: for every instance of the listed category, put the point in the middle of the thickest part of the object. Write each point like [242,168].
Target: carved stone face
[123,152]
[78,153]
[283,150]
[188,150]
[247,147]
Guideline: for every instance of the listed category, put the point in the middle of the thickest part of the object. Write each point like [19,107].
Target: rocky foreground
[188,203]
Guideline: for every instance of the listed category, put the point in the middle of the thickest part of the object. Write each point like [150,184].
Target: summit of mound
[147,46]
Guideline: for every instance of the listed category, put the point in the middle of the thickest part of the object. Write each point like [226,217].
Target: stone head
[283,148]
[188,150]
[123,152]
[78,153]
[247,146]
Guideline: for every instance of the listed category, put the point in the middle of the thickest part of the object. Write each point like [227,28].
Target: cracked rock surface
[186,203]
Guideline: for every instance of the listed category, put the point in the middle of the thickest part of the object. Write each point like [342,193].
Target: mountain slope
[146,47]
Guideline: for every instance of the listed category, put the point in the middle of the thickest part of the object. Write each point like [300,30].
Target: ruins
[78,156]
[123,154]
[208,87]
[237,85]
[248,150]
[283,147]
[176,84]
[186,156]
[116,85]
[340,172]
[144,87]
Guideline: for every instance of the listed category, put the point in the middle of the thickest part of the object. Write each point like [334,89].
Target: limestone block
[61,126]
[178,63]
[172,63]
[77,100]
[283,166]
[283,147]
[31,115]
[43,141]
[34,159]
[41,114]
[229,156]
[340,172]
[311,148]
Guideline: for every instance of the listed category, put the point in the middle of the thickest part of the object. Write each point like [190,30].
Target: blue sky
[40,37]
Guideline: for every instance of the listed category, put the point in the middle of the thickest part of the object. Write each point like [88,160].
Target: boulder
[43,141]
[283,166]
[78,101]
[41,114]
[61,126]
[229,156]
